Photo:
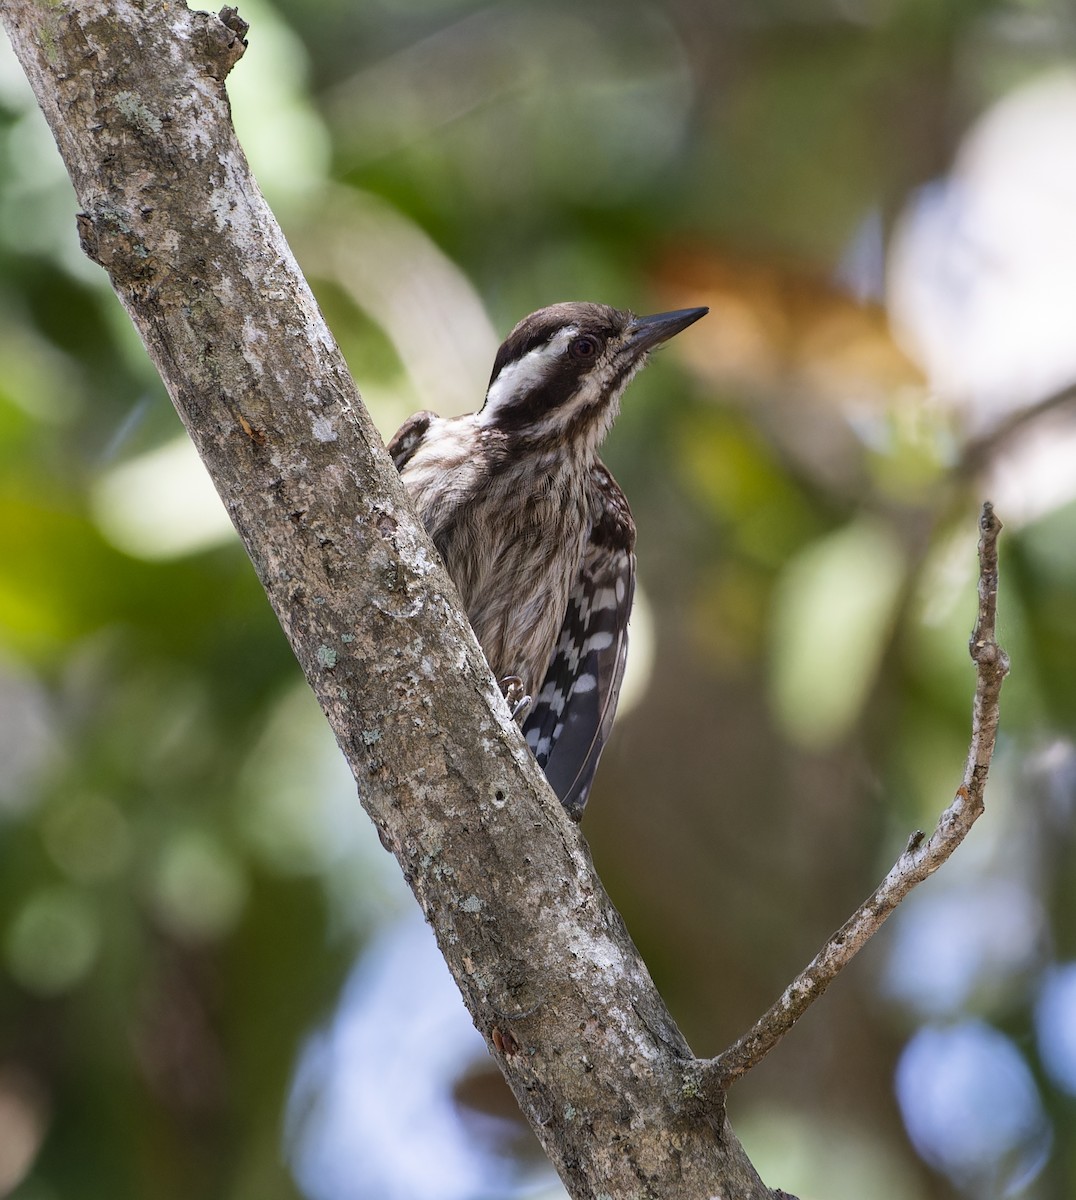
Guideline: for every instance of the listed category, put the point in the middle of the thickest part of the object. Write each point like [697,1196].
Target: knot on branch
[702,1092]
[108,237]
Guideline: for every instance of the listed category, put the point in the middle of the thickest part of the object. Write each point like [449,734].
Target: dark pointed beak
[648,332]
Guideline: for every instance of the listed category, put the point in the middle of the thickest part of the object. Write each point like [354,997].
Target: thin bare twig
[922,856]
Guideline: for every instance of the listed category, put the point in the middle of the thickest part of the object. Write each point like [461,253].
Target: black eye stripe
[524,341]
[531,406]
[567,350]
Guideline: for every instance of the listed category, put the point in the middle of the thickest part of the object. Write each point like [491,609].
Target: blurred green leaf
[833,611]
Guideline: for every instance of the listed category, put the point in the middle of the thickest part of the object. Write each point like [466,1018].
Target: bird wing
[408,438]
[573,712]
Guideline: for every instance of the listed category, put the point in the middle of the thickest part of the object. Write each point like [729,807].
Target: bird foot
[518,701]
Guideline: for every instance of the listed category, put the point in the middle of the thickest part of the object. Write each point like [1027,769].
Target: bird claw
[515,695]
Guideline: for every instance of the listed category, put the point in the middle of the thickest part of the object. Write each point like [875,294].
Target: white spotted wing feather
[573,712]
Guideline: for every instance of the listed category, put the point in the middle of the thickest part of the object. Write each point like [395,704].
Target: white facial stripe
[524,374]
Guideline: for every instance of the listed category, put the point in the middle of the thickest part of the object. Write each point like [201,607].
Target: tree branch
[922,857]
[134,95]
[978,452]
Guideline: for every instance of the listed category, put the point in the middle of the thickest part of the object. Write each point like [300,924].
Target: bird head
[560,373]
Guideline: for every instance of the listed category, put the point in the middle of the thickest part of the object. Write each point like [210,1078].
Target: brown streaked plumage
[534,530]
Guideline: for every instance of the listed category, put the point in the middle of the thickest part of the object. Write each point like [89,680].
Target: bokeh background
[213,982]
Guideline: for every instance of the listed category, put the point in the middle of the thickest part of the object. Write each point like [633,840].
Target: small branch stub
[922,855]
[231,18]
[227,36]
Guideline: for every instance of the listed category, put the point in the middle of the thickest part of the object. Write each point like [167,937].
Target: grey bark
[134,93]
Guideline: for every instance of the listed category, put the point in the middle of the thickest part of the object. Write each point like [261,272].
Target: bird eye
[583,347]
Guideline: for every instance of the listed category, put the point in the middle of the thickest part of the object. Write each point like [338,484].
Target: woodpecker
[534,530]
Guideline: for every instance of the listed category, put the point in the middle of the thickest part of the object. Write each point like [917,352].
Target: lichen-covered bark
[134,94]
